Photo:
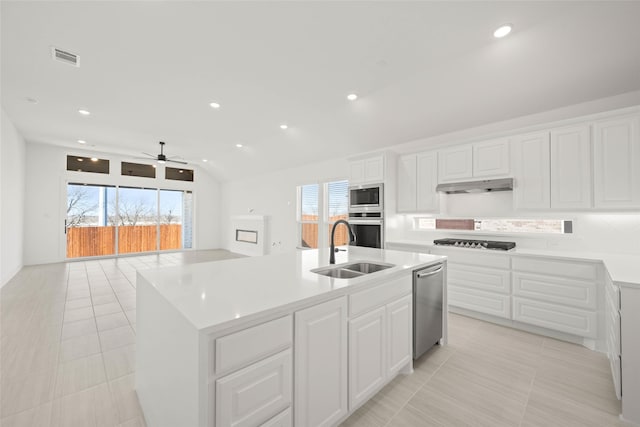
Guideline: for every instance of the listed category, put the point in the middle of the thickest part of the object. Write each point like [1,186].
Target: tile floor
[67,359]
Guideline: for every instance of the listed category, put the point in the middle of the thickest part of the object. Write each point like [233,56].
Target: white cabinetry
[556,294]
[616,163]
[417,181]
[380,340]
[321,364]
[531,171]
[486,159]
[630,354]
[571,168]
[612,332]
[365,171]
[478,282]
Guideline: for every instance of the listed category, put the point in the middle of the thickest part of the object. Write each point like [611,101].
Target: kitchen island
[220,343]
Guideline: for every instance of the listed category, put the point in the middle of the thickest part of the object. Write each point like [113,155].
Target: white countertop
[624,269]
[211,295]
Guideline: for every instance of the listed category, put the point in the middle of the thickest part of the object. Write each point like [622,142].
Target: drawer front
[484,302]
[557,317]
[244,347]
[482,258]
[487,279]
[572,269]
[555,289]
[283,419]
[256,393]
[379,295]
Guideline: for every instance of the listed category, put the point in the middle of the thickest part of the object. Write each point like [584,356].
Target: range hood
[505,184]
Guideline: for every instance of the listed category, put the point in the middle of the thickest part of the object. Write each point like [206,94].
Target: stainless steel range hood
[505,184]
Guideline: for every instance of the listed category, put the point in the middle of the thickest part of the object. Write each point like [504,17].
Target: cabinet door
[491,158]
[616,161]
[483,302]
[356,172]
[531,171]
[374,169]
[557,317]
[455,164]
[571,168]
[406,191]
[428,198]
[367,356]
[321,364]
[254,394]
[399,334]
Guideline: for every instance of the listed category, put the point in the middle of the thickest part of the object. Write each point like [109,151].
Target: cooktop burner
[476,244]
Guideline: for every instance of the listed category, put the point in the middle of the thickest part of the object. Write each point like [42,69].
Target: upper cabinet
[417,181]
[366,171]
[616,163]
[486,159]
[531,171]
[571,168]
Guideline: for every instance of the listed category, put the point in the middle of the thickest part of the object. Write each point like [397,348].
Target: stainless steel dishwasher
[428,284]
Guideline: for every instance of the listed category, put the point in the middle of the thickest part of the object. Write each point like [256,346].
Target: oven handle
[365,222]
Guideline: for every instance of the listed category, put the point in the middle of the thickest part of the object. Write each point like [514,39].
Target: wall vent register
[475,244]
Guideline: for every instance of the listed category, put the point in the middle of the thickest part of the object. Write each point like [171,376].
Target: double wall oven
[366,214]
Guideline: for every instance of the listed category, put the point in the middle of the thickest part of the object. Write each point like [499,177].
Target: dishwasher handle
[430,272]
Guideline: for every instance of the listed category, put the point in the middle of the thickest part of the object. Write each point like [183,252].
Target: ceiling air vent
[66,57]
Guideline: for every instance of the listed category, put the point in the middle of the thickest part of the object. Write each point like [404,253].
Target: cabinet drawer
[555,289]
[572,269]
[283,419]
[376,296]
[256,393]
[474,257]
[242,348]
[552,316]
[487,279]
[484,302]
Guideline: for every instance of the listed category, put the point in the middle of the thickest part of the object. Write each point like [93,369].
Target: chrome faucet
[333,250]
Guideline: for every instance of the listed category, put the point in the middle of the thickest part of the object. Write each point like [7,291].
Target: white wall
[12,191]
[274,195]
[45,205]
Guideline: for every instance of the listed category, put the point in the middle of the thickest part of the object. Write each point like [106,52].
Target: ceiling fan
[162,158]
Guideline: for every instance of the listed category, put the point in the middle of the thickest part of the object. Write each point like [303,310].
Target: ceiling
[150,69]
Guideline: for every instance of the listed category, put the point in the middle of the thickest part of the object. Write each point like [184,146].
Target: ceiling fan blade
[177,161]
[153,156]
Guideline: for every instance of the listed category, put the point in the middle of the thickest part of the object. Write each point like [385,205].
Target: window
[315,223]
[137,169]
[87,164]
[178,174]
[548,226]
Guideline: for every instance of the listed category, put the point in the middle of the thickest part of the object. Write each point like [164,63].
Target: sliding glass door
[107,220]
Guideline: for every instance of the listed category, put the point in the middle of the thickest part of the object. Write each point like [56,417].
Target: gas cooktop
[475,244]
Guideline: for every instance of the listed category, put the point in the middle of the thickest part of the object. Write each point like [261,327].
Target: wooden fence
[100,241]
[310,232]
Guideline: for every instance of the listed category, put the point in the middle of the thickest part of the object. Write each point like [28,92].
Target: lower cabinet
[400,334]
[256,393]
[283,419]
[492,303]
[557,317]
[321,364]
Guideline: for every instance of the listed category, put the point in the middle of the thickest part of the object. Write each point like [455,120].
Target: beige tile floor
[67,359]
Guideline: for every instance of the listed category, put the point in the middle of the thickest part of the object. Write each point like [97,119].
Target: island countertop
[213,295]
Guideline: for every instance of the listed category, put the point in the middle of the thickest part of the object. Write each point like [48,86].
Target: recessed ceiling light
[502,31]
[214,105]
[352,97]
[94,159]
[283,126]
[205,160]
[239,145]
[82,141]
[84,112]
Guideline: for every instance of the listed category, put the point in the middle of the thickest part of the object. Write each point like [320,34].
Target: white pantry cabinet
[487,159]
[616,162]
[571,167]
[531,167]
[417,181]
[321,364]
[366,171]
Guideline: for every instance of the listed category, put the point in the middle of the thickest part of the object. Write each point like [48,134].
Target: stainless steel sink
[349,271]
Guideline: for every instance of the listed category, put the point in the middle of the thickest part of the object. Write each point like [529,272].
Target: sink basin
[367,267]
[349,271]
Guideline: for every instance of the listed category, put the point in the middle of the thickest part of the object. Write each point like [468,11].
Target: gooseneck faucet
[332,256]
